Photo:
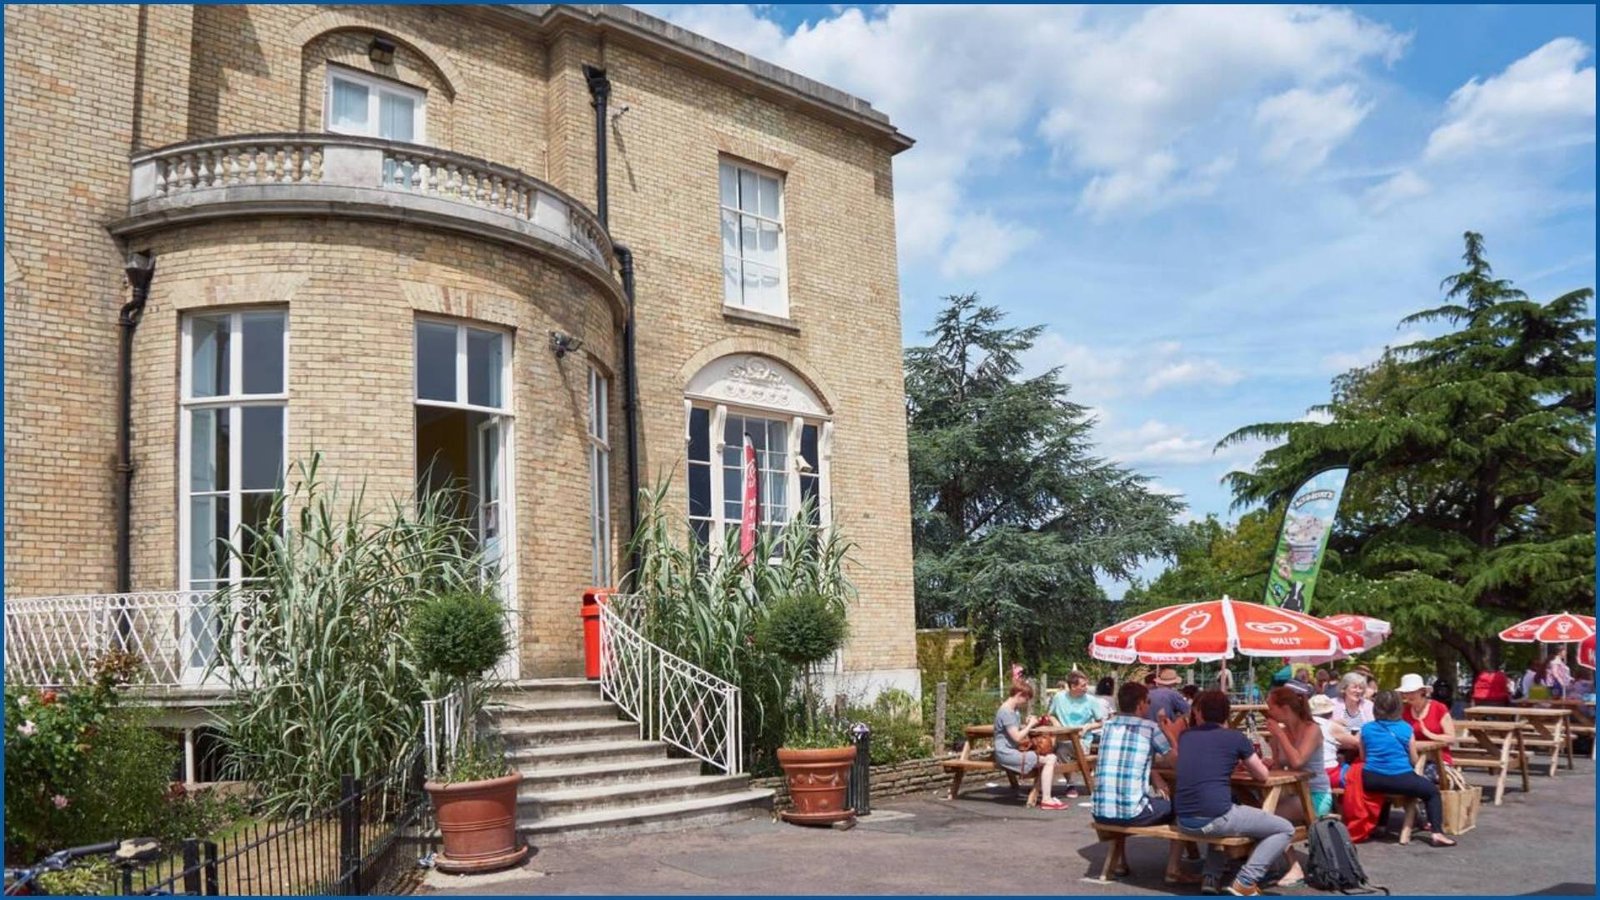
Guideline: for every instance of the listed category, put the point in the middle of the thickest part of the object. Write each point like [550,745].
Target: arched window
[789,426]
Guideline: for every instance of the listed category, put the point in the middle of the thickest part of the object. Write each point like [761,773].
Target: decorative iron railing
[441,728]
[58,641]
[280,167]
[672,699]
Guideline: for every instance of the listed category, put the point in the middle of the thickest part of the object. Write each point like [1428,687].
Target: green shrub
[898,732]
[460,634]
[823,734]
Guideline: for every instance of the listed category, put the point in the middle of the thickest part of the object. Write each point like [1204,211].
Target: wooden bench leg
[1174,850]
[1113,857]
[955,783]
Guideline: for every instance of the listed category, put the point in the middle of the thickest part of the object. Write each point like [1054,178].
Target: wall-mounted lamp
[381,51]
[562,343]
[619,113]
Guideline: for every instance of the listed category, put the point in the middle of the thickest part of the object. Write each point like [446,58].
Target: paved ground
[987,843]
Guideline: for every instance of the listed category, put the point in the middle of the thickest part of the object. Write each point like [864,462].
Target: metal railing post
[191,866]
[349,835]
[212,887]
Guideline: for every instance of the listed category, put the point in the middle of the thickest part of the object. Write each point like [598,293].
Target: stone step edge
[604,792]
[643,766]
[535,754]
[539,706]
[570,725]
[640,814]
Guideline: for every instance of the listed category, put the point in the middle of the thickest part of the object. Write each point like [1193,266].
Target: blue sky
[1213,211]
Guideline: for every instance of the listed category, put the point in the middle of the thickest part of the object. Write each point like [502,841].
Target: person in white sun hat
[1428,718]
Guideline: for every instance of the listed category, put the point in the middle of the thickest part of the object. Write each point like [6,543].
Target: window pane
[766,250]
[263,352]
[396,117]
[732,495]
[261,448]
[349,113]
[732,290]
[747,190]
[436,361]
[701,530]
[775,497]
[778,444]
[700,435]
[255,511]
[732,432]
[808,447]
[208,450]
[483,367]
[208,522]
[729,178]
[208,369]
[699,490]
[768,205]
[730,233]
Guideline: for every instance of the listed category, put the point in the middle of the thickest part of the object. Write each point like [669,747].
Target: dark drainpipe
[140,269]
[600,96]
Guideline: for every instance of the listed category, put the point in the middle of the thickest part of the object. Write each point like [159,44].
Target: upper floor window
[754,274]
[358,103]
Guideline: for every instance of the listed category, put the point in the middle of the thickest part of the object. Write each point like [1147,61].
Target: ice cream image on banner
[1304,534]
[1307,522]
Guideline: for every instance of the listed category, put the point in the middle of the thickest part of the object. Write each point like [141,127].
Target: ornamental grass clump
[460,636]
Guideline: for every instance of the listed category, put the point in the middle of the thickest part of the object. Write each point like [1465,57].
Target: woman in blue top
[1391,757]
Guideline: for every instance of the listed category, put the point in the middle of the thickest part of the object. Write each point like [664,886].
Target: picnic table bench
[1581,722]
[1542,728]
[1494,746]
[977,734]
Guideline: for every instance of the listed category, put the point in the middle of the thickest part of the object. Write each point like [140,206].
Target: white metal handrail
[672,699]
[441,726]
[56,641]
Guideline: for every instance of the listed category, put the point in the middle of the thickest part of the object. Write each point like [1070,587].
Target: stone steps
[517,737]
[552,711]
[566,755]
[544,804]
[696,813]
[605,770]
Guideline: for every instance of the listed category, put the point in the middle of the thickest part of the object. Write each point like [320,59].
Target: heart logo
[1179,643]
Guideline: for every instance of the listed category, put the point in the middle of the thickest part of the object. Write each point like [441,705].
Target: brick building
[377,232]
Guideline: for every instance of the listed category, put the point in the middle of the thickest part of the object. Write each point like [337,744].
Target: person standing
[1389,753]
[1208,754]
[1165,698]
[1010,731]
[1072,705]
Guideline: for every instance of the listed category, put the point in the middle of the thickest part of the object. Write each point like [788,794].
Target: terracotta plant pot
[817,781]
[478,822]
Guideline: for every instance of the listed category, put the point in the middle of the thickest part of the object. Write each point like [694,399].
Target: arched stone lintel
[313,27]
[816,391]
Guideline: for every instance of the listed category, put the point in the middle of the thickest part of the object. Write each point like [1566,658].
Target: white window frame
[599,440]
[375,88]
[782,311]
[716,423]
[461,329]
[235,402]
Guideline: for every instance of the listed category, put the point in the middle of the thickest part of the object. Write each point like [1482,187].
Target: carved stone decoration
[756,381]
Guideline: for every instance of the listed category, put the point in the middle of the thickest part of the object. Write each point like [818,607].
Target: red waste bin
[590,613]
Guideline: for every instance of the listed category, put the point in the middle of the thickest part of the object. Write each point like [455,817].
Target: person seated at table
[1297,743]
[1388,749]
[1353,709]
[1208,755]
[1165,699]
[1010,731]
[1301,681]
[1536,681]
[1072,705]
[1335,738]
[1105,691]
[1129,743]
[1325,685]
[1429,719]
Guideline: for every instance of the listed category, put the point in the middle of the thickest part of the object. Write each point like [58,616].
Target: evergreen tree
[1470,504]
[1013,515]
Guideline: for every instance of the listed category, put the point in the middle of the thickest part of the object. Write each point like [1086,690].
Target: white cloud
[1303,125]
[1404,185]
[983,243]
[1101,373]
[1343,361]
[1205,371]
[1541,98]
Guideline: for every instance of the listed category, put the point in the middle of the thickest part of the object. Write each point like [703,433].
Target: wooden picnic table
[977,733]
[1432,752]
[1543,728]
[1495,746]
[1265,794]
[1240,712]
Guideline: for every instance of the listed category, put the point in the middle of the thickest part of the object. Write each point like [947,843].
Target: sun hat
[1410,682]
[1168,677]
[1321,705]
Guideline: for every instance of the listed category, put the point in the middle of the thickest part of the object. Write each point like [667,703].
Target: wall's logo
[1563,626]
[1272,627]
[1179,643]
[1194,622]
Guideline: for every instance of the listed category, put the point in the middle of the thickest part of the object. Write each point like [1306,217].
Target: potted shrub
[804,629]
[460,635]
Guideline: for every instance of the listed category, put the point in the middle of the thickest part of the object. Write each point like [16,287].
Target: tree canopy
[1470,503]
[1013,514]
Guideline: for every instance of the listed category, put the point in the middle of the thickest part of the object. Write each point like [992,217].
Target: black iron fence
[367,842]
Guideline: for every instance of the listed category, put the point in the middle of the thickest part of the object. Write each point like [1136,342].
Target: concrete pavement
[988,843]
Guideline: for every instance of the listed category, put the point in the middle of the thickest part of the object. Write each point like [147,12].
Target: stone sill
[750,317]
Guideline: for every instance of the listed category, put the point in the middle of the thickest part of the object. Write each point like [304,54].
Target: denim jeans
[1271,834]
[1160,811]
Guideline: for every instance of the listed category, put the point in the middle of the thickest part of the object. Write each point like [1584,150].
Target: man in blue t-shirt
[1165,698]
[1208,754]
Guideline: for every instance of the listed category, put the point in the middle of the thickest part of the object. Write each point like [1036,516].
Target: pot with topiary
[460,635]
[804,629]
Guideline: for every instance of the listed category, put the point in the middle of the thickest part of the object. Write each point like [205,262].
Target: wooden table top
[978,731]
[1489,726]
[1517,711]
[1275,777]
[1568,702]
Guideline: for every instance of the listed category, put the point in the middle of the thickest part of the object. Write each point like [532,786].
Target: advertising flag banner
[1304,538]
[750,516]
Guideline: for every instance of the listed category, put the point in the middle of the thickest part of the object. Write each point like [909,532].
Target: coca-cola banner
[1303,540]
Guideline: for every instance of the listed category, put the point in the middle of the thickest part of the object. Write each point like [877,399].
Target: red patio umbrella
[1217,629]
[1373,632]
[1586,652]
[1558,628]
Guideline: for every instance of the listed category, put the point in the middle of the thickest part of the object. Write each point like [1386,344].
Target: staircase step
[545,690]
[516,737]
[535,805]
[605,770]
[507,715]
[567,755]
[699,811]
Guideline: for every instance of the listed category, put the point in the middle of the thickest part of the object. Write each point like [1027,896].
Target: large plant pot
[478,823]
[817,781]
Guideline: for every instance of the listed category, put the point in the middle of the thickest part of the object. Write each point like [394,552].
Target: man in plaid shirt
[1128,744]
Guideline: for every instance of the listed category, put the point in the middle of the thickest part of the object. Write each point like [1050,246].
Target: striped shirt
[1122,776]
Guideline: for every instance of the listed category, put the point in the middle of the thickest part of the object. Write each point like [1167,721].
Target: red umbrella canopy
[1558,628]
[1216,629]
[1373,632]
[1586,652]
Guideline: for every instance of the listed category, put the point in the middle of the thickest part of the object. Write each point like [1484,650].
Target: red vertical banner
[750,518]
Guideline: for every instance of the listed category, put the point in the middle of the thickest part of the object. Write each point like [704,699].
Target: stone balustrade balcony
[329,174]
